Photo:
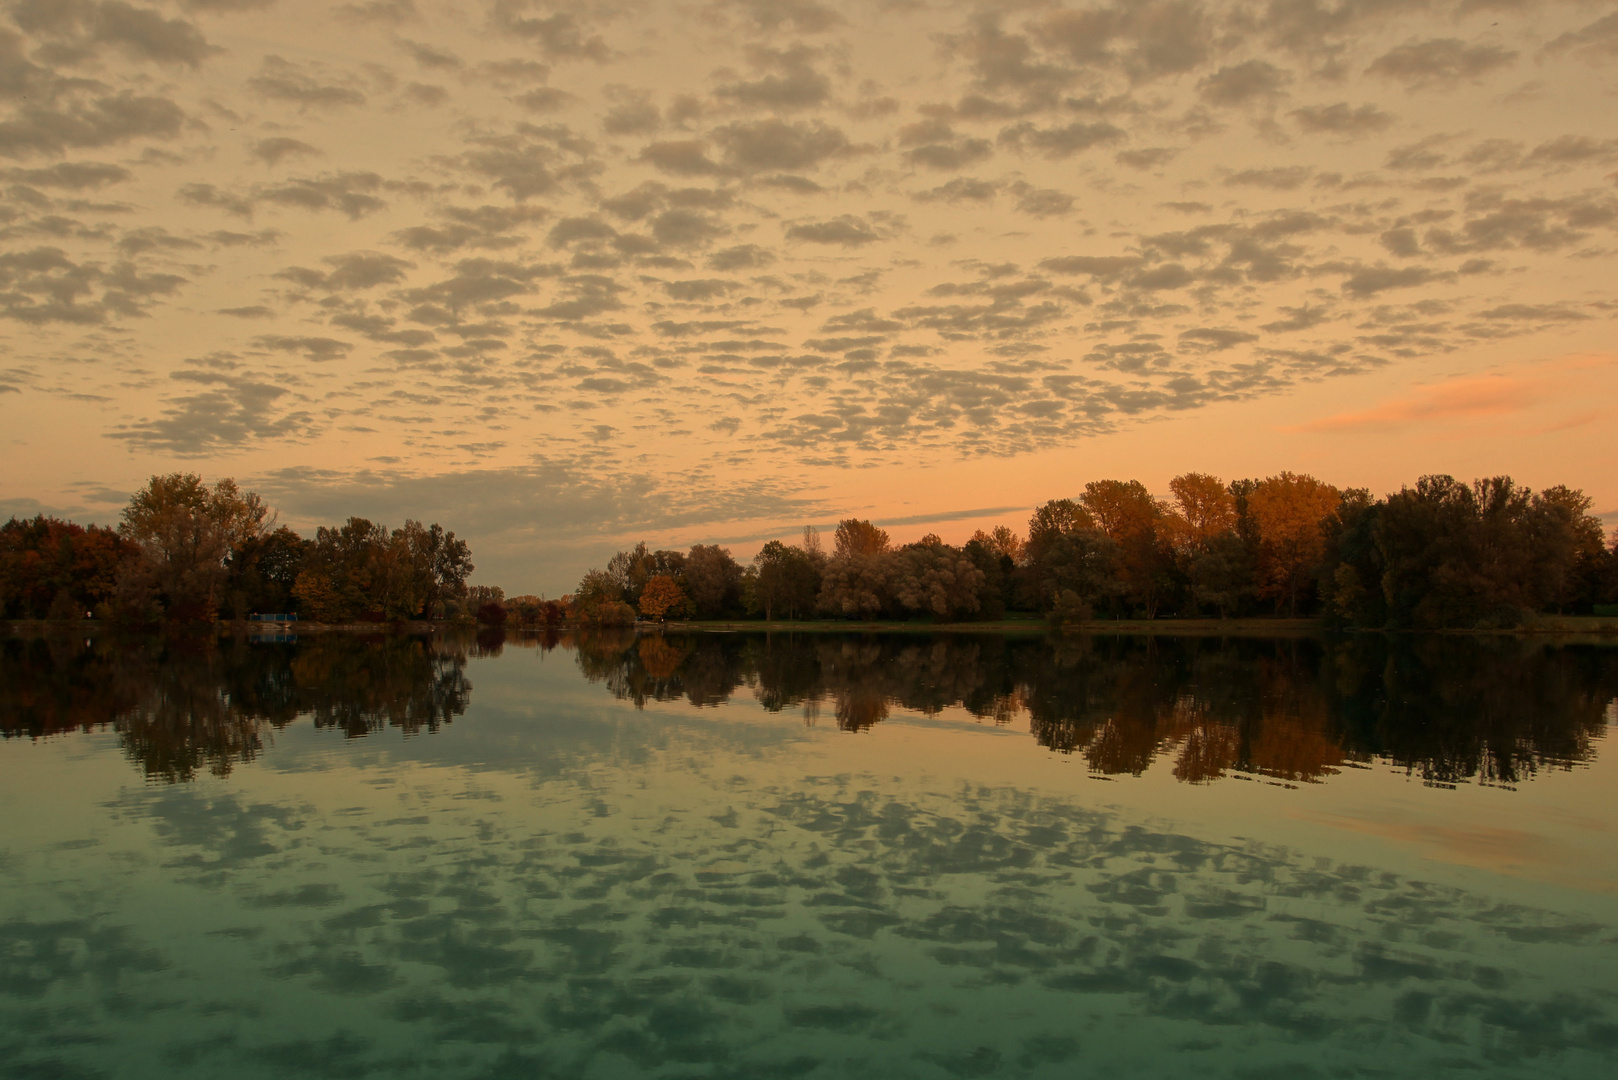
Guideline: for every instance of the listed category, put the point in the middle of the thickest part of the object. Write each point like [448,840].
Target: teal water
[808,856]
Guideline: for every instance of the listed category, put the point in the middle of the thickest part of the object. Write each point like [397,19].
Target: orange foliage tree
[1288,510]
[660,597]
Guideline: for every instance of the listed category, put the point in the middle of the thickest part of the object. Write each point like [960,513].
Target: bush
[492,613]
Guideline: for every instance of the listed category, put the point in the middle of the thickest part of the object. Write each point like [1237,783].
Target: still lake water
[729,855]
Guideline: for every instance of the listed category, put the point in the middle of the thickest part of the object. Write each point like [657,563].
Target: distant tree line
[1440,554]
[185,552]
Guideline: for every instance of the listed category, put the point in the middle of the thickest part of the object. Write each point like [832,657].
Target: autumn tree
[1128,514]
[1216,561]
[857,537]
[631,570]
[48,565]
[1287,511]
[660,597]
[1205,506]
[186,531]
[597,600]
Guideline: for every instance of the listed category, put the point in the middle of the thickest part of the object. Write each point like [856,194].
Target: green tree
[785,581]
[713,580]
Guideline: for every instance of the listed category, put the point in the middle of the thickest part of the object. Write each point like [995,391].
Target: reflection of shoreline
[187,706]
[1495,710]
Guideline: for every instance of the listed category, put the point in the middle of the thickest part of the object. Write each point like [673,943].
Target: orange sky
[561,275]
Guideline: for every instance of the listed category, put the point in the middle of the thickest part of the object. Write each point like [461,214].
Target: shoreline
[1597,627]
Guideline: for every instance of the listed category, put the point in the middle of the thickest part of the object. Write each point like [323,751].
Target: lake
[808,855]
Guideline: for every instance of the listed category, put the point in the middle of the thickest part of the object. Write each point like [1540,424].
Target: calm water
[808,856]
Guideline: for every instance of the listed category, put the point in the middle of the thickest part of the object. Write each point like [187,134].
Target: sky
[563,275]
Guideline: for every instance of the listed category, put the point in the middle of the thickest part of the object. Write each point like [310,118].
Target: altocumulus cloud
[775,240]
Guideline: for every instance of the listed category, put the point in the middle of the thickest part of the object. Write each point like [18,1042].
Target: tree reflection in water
[1497,710]
[184,706]
[1449,709]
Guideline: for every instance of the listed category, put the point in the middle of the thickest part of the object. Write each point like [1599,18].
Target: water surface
[808,855]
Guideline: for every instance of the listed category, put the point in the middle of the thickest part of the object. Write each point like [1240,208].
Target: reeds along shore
[1439,554]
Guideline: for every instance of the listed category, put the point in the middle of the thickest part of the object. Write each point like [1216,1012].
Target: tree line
[186,552]
[1439,554]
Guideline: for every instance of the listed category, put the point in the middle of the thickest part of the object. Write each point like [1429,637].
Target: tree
[1085,564]
[935,579]
[596,601]
[47,564]
[856,537]
[631,570]
[996,568]
[1206,508]
[785,580]
[1221,574]
[1131,517]
[660,597]
[186,531]
[1287,511]
[1003,541]
[857,584]
[1052,521]
[439,565]
[262,572]
[713,580]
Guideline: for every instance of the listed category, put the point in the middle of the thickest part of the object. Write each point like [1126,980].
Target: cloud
[787,80]
[1146,158]
[226,413]
[1370,280]
[349,193]
[960,189]
[1214,339]
[633,113]
[1440,60]
[845,230]
[80,120]
[1241,84]
[318,349]
[273,150]
[71,175]
[804,16]
[46,285]
[1280,178]
[1457,399]
[306,86]
[1596,42]
[761,145]
[1061,142]
[355,270]
[1342,119]
[558,36]
[78,29]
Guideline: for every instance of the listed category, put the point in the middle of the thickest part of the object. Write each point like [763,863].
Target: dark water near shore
[739,855]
